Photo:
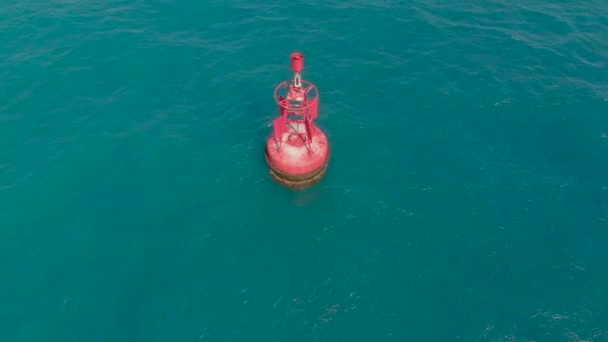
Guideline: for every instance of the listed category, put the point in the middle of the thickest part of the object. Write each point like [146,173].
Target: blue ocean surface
[466,197]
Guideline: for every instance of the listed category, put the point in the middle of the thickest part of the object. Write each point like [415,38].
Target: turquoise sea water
[466,200]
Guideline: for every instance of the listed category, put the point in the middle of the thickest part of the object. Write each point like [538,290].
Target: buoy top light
[297,62]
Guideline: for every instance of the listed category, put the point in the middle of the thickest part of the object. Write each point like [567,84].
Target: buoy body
[297,151]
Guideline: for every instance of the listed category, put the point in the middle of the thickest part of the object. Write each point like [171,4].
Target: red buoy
[297,151]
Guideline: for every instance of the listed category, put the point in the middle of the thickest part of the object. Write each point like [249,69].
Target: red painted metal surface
[297,62]
[295,158]
[297,146]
